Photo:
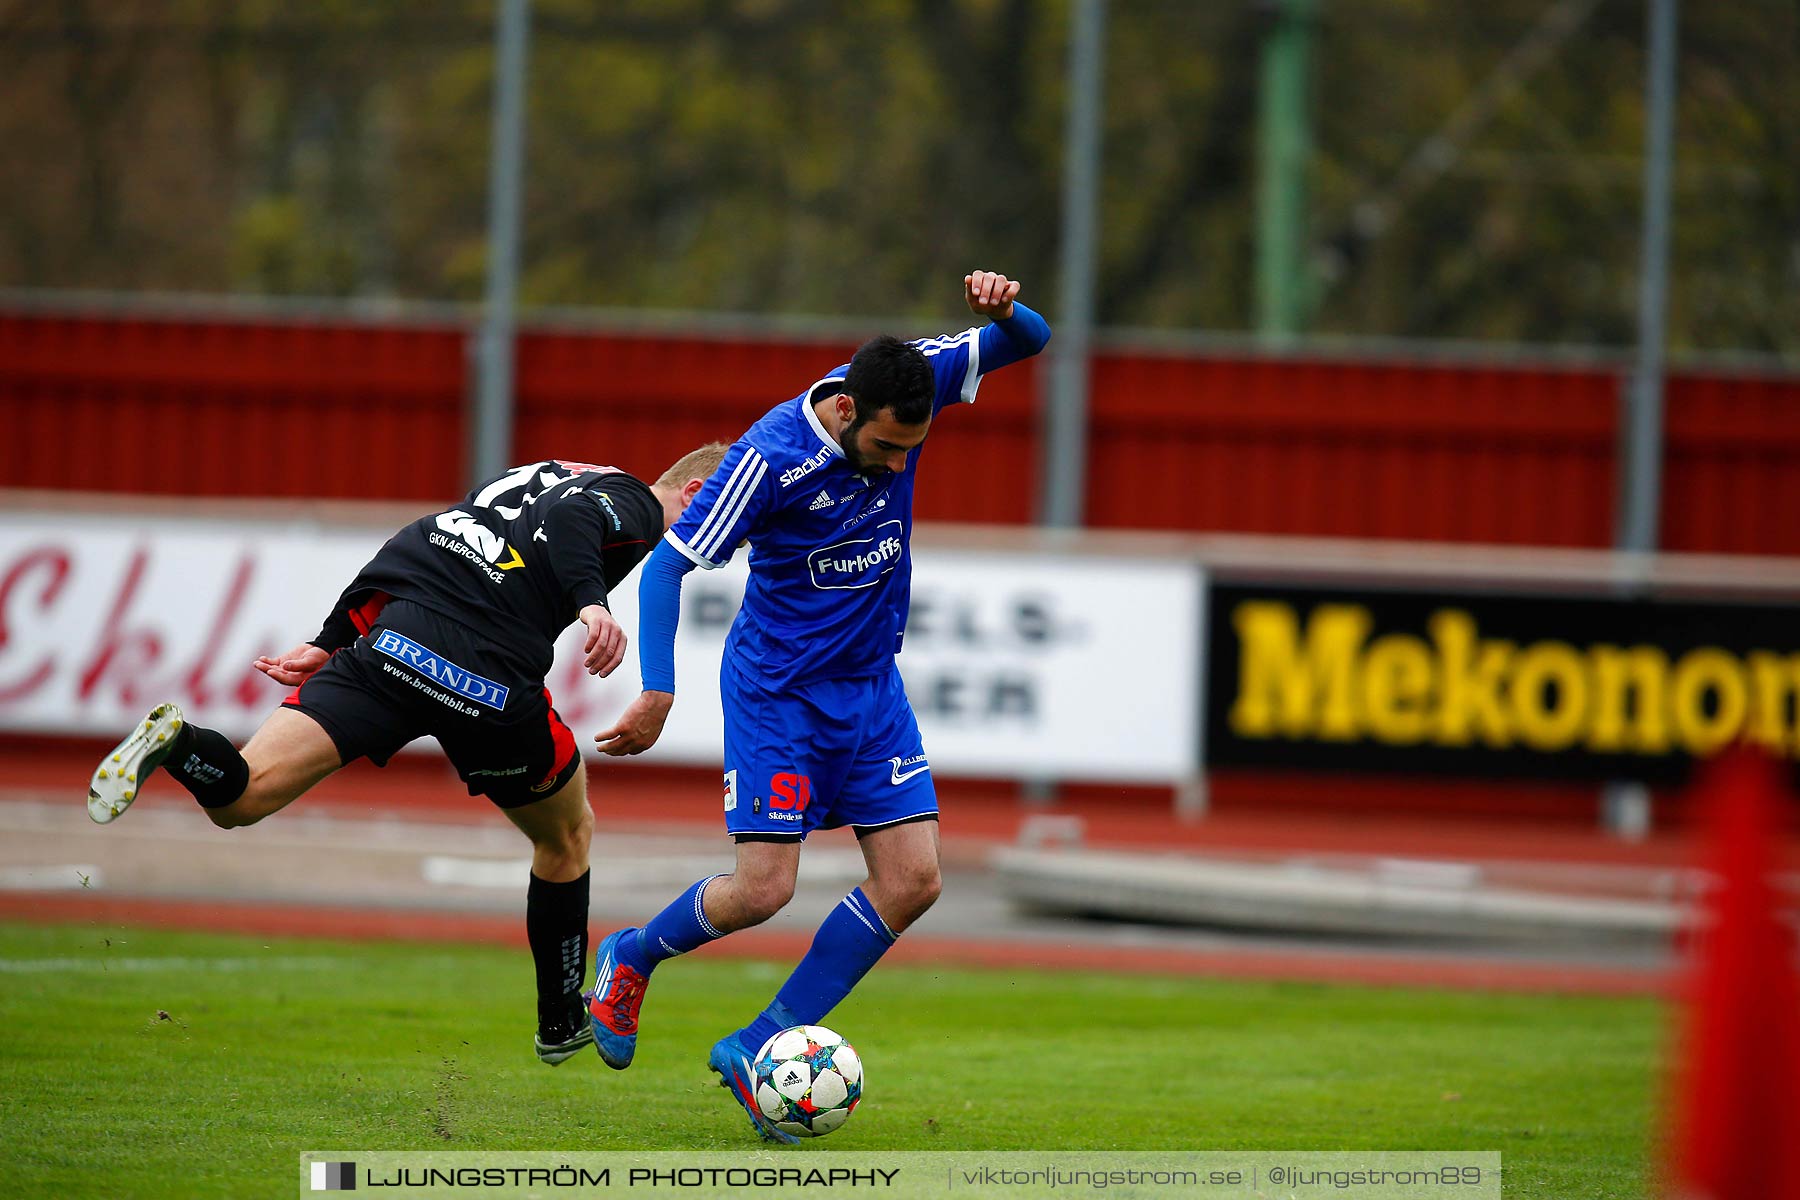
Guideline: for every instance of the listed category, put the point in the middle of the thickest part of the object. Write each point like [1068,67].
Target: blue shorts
[821,755]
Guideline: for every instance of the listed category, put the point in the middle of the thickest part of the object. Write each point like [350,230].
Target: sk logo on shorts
[790,792]
[730,791]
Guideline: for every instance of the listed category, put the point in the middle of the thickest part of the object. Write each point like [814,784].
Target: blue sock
[675,930]
[852,939]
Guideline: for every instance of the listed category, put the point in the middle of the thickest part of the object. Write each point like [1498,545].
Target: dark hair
[889,373]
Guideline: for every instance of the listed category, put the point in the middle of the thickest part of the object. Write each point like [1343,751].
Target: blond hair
[695,464]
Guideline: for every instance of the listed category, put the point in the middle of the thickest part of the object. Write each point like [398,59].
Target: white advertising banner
[1019,664]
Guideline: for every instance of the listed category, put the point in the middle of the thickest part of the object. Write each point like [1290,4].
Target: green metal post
[1284,144]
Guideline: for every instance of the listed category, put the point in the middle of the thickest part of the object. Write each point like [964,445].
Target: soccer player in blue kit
[818,729]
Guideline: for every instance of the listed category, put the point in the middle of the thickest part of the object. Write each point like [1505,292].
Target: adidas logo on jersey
[821,501]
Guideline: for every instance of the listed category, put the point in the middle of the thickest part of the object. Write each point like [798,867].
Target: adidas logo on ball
[807,1081]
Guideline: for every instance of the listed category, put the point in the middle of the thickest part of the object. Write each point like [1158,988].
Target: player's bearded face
[879,444]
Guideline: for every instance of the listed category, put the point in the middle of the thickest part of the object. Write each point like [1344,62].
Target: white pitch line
[68,877]
[304,832]
[101,963]
[506,873]
[511,874]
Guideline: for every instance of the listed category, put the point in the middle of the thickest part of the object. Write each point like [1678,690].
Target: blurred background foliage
[1475,167]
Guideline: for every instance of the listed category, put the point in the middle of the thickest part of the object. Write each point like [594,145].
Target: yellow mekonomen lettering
[1291,690]
[1396,690]
[1327,680]
[1775,701]
[1630,700]
[1698,674]
[1473,671]
[1550,695]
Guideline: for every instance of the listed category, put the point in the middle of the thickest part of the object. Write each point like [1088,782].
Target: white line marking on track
[100,963]
[508,873]
[61,877]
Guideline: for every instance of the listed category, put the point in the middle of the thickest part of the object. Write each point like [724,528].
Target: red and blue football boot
[614,1002]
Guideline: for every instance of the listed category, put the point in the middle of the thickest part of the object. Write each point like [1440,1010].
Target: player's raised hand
[990,294]
[296,666]
[605,648]
[638,727]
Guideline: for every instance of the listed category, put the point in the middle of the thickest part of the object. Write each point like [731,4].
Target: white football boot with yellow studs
[121,774]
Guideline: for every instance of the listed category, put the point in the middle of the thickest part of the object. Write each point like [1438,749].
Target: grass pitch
[152,1063]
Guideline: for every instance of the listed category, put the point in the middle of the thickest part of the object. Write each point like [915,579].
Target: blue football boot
[614,1002]
[734,1063]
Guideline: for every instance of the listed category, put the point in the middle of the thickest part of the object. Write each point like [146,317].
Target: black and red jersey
[515,561]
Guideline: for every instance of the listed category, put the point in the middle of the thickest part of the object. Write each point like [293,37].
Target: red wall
[1355,449]
[1309,445]
[1732,474]
[642,402]
[229,408]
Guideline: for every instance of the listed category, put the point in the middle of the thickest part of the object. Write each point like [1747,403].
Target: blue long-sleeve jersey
[830,550]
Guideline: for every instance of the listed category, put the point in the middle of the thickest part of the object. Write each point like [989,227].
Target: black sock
[206,763]
[556,924]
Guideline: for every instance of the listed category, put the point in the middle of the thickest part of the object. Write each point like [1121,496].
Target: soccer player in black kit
[449,631]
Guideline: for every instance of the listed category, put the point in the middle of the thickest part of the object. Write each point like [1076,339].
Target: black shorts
[415,673]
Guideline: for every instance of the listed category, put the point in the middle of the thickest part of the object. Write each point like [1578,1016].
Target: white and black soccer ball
[808,1080]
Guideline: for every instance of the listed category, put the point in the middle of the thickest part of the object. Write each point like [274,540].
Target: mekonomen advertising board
[1494,684]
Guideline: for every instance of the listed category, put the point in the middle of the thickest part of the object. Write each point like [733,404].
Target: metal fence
[1357,168]
[1468,171]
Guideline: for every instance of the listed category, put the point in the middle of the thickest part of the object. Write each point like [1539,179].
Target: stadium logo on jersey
[860,562]
[477,543]
[794,474]
[822,500]
[428,662]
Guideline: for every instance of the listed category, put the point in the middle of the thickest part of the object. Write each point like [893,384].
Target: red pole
[1737,1126]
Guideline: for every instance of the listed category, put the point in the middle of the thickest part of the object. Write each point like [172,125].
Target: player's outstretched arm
[659,608]
[296,666]
[1015,332]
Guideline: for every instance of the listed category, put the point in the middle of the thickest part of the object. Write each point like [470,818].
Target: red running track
[1375,970]
[642,798]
